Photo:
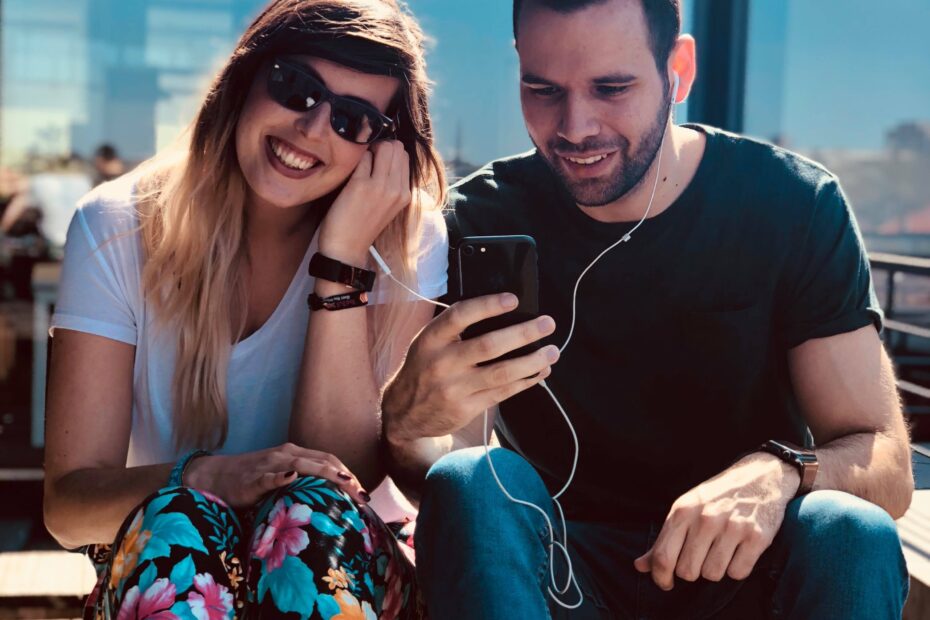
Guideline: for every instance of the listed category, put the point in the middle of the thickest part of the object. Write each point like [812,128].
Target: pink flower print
[371,536]
[367,541]
[210,601]
[154,604]
[393,592]
[213,498]
[282,536]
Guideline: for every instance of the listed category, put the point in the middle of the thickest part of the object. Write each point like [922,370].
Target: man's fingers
[665,552]
[453,321]
[489,398]
[503,373]
[494,344]
[691,559]
[719,557]
[745,558]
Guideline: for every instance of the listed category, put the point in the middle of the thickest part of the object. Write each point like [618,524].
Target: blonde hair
[192,204]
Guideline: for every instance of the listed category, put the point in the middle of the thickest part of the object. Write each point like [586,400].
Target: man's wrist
[789,478]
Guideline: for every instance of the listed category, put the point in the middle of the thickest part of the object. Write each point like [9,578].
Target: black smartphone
[499,264]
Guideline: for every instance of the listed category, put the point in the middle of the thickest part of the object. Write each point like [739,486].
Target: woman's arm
[88,490]
[337,403]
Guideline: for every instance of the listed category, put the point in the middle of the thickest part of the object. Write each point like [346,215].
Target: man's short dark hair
[663,18]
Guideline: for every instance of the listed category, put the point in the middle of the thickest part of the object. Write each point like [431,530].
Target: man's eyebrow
[530,78]
[615,78]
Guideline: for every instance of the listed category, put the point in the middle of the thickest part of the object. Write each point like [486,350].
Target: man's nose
[578,121]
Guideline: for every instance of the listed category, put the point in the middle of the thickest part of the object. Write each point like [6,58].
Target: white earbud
[675,84]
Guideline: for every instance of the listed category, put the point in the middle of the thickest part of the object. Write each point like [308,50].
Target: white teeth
[289,158]
[587,161]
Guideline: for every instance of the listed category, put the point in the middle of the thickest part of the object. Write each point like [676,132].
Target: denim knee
[829,520]
[462,483]
[835,538]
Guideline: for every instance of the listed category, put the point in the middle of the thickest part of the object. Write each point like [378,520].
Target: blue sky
[850,70]
[475,69]
[826,73]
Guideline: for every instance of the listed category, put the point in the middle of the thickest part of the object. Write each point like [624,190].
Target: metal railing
[900,330]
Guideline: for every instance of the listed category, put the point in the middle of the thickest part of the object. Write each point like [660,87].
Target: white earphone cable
[553,589]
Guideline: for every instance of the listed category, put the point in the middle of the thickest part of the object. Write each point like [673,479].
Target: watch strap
[804,460]
[335,271]
[342,301]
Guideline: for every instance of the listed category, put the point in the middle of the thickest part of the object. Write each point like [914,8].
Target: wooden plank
[45,573]
[914,529]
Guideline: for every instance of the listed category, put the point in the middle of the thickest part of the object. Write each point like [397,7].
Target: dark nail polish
[365,496]
[344,475]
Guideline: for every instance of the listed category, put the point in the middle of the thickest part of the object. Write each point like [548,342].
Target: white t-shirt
[100,293]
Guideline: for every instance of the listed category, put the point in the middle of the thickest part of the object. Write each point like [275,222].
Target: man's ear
[683,61]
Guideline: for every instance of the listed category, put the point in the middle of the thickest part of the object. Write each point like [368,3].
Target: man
[740,311]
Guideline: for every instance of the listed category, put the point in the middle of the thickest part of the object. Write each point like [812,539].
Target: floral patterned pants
[305,551]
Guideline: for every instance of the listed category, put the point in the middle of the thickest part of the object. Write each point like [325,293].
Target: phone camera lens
[468,250]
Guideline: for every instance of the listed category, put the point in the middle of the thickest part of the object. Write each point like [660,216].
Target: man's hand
[440,388]
[722,526]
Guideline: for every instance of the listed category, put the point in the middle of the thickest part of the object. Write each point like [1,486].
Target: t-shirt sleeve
[432,261]
[830,288]
[433,255]
[92,296]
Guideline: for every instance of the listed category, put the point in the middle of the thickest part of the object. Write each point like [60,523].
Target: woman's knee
[309,510]
[170,518]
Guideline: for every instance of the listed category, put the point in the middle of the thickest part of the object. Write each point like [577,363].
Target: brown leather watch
[804,460]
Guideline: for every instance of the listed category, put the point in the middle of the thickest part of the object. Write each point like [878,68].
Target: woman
[182,327]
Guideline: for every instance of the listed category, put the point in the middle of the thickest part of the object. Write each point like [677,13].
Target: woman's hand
[242,479]
[376,192]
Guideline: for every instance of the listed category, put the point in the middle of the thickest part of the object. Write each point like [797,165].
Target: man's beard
[632,168]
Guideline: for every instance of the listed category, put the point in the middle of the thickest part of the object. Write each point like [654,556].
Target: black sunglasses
[294,87]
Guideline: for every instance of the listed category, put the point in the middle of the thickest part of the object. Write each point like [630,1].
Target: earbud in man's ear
[676,82]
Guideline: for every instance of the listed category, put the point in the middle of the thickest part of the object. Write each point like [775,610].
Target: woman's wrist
[196,476]
[325,288]
[348,251]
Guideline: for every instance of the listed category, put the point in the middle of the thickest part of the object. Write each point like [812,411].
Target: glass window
[846,83]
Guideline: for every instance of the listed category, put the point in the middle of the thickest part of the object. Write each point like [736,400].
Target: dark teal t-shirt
[678,363]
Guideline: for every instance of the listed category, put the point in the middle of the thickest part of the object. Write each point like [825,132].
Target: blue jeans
[481,556]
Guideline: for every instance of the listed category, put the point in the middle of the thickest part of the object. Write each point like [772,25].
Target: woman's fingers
[335,473]
[383,159]
[363,169]
[271,480]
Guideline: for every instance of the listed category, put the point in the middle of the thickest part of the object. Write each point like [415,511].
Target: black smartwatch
[804,460]
[335,271]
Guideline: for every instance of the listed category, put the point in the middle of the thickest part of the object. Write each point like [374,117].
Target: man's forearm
[409,461]
[873,466]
